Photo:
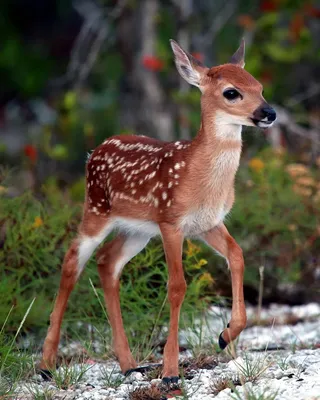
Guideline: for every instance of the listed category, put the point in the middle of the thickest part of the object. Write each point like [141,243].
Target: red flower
[198,56]
[152,63]
[312,11]
[246,21]
[266,76]
[31,152]
[296,26]
[268,6]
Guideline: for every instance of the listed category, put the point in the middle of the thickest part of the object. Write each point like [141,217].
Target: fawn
[144,187]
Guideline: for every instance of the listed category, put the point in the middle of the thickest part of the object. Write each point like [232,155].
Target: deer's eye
[231,94]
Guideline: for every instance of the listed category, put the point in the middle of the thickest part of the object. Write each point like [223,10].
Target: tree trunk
[145,108]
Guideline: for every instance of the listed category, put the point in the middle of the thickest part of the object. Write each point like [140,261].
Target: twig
[88,43]
[220,20]
[298,98]
[93,54]
[261,284]
[286,119]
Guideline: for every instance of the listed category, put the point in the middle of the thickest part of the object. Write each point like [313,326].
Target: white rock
[236,365]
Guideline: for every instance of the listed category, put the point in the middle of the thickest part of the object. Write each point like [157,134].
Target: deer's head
[228,91]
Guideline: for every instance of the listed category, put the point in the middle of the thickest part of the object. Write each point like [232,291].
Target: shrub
[276,220]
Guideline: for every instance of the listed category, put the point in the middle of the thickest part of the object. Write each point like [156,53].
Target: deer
[142,187]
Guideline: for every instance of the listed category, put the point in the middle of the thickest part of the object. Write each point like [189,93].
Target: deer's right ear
[238,57]
[189,67]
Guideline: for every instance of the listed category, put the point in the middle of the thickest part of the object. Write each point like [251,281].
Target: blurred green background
[74,73]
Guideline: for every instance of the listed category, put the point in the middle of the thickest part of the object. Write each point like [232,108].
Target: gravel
[281,361]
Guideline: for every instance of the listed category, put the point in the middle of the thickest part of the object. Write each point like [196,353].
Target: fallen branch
[286,119]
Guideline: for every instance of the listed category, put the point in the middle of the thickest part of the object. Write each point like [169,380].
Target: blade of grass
[6,319]
[99,300]
[15,336]
[154,327]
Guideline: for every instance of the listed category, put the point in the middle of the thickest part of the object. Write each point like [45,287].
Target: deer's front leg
[220,239]
[172,243]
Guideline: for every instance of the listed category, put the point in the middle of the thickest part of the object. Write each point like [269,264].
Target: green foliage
[35,239]
[276,218]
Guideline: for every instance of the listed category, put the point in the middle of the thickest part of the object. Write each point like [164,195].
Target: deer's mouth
[262,123]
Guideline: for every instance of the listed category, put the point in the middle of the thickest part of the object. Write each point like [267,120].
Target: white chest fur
[202,220]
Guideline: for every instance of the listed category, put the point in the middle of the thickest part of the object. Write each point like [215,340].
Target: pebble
[290,371]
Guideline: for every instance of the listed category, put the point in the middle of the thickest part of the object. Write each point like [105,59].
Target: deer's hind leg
[111,259]
[92,232]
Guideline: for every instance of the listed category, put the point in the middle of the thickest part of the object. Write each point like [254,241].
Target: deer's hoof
[46,374]
[222,343]
[170,380]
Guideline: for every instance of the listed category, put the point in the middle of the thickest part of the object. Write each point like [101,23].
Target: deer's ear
[189,67]
[238,57]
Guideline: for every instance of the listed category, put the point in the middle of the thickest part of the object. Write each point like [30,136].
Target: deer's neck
[214,129]
[216,151]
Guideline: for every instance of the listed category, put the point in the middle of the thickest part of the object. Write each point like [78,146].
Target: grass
[69,374]
[40,393]
[108,378]
[188,390]
[220,384]
[283,363]
[201,339]
[14,364]
[154,373]
[250,370]
[146,393]
[251,394]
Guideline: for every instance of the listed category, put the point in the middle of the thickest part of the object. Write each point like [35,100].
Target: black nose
[269,113]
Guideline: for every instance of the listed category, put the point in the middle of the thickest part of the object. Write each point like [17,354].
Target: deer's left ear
[238,57]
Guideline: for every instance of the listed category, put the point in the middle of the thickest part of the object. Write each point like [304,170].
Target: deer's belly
[202,220]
